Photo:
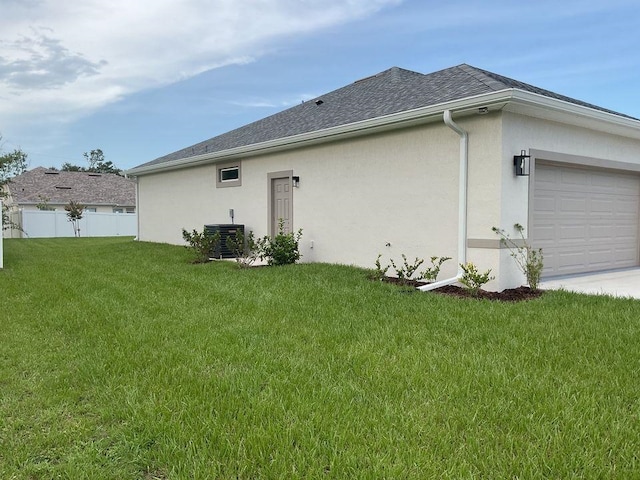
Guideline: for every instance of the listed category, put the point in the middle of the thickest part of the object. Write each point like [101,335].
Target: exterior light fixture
[296,181]
[522,164]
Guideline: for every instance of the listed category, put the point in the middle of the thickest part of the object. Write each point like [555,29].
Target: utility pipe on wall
[462,203]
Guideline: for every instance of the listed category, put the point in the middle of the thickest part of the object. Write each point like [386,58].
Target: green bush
[243,249]
[472,279]
[201,244]
[405,271]
[282,249]
[432,272]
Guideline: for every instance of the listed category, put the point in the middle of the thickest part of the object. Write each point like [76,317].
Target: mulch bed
[509,295]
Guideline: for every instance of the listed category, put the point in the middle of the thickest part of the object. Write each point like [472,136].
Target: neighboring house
[402,162]
[98,192]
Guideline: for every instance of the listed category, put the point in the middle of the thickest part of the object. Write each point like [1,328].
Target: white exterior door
[585,219]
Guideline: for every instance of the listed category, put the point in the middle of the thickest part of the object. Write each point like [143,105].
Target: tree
[74,212]
[97,164]
[68,167]
[11,165]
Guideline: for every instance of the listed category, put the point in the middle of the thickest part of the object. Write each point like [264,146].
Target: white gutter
[494,100]
[377,124]
[462,204]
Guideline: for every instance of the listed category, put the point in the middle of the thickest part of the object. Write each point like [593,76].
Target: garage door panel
[572,205]
[585,219]
[569,259]
[626,257]
[572,234]
[627,205]
[603,205]
[545,204]
[573,179]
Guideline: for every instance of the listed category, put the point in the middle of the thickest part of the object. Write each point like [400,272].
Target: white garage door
[585,219]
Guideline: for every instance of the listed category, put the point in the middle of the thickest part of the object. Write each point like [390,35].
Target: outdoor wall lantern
[522,164]
[296,181]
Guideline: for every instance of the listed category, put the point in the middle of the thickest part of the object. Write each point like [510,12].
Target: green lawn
[122,360]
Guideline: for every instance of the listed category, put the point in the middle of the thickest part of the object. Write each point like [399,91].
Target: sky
[139,80]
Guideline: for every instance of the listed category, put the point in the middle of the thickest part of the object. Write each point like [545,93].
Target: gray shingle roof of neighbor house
[61,187]
[392,91]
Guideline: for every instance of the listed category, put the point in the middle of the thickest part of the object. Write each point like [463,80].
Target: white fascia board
[523,102]
[387,122]
[547,108]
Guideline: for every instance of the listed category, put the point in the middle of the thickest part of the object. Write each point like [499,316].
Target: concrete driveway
[619,283]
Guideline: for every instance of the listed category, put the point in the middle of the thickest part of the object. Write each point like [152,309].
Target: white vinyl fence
[42,223]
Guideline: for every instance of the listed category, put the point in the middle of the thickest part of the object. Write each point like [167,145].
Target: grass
[120,359]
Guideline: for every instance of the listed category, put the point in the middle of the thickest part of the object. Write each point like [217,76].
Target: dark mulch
[509,295]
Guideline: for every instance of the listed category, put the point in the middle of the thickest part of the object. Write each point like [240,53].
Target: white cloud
[66,59]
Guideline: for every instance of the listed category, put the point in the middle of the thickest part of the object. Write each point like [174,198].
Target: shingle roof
[392,91]
[61,187]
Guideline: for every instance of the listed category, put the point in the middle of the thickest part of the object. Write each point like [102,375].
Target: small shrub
[380,272]
[244,249]
[432,272]
[201,244]
[405,271]
[472,279]
[282,249]
[530,261]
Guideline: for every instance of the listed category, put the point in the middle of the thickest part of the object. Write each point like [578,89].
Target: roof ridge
[388,71]
[483,76]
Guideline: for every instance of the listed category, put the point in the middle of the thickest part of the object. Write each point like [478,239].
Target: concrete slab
[618,283]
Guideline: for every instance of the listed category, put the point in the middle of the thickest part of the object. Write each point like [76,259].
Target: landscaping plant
[472,279]
[282,249]
[380,272]
[432,272]
[202,244]
[243,249]
[529,260]
[405,271]
[74,214]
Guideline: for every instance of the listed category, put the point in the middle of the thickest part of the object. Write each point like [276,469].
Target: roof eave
[518,101]
[540,106]
[373,125]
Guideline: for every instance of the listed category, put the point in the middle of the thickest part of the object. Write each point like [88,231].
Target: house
[422,165]
[47,189]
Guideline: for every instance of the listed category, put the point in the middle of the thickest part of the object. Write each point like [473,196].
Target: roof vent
[319,102]
[95,175]
[483,110]
[60,187]
[51,172]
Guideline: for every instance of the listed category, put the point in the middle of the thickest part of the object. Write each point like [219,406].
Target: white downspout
[462,204]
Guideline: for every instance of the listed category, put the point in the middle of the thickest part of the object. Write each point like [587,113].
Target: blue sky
[140,82]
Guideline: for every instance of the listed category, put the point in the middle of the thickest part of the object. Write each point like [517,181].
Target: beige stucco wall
[398,188]
[355,196]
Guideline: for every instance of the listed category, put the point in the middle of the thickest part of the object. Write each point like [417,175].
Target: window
[131,210]
[228,175]
[90,209]
[118,210]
